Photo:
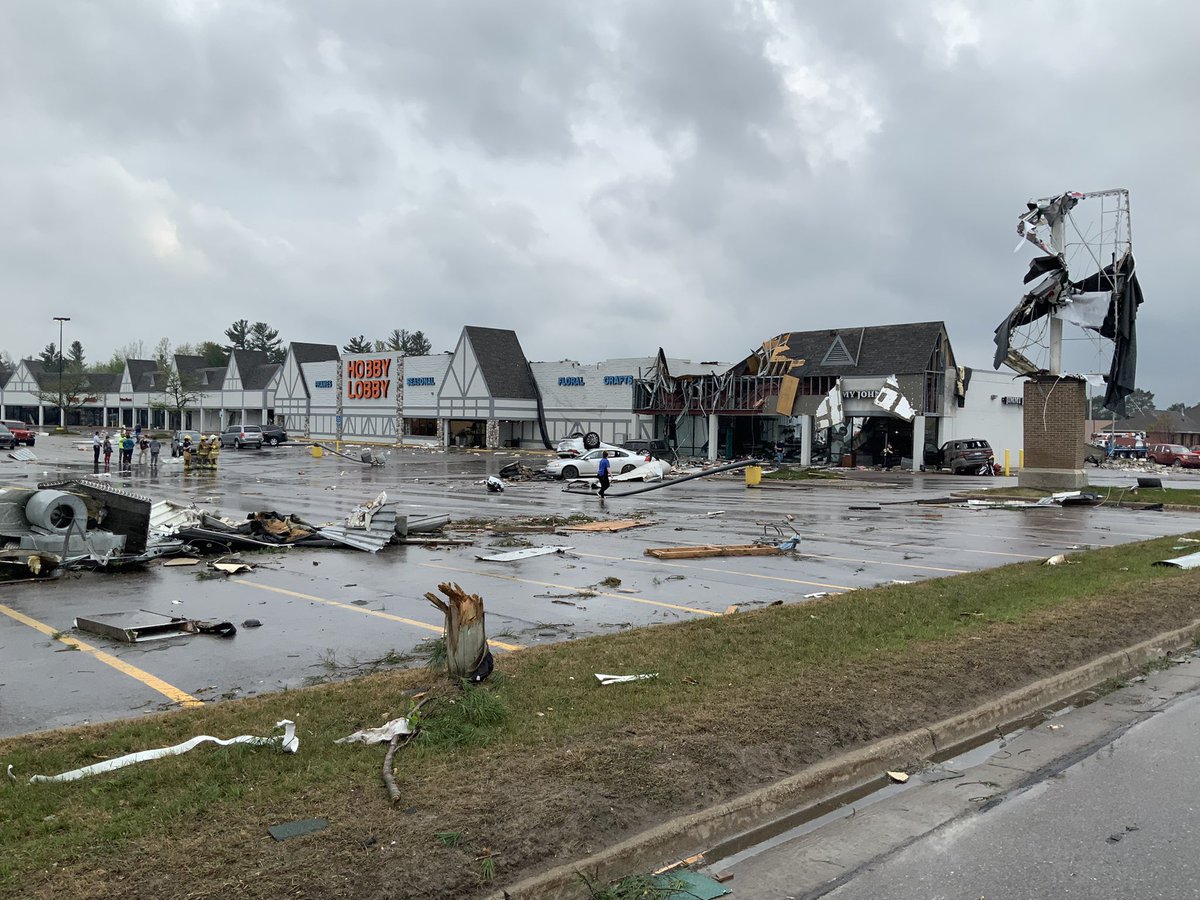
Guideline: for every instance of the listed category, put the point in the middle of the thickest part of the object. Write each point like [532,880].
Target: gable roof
[313,353]
[211,378]
[104,382]
[502,362]
[903,349]
[5,374]
[248,360]
[259,377]
[141,373]
[186,364]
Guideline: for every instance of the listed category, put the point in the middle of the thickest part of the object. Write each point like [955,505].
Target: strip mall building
[485,393]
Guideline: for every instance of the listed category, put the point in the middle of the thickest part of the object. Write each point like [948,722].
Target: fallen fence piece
[1191,561]
[297,829]
[182,561]
[707,550]
[381,735]
[610,525]
[623,679]
[525,553]
[287,742]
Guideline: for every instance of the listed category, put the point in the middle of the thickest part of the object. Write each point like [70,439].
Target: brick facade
[1055,408]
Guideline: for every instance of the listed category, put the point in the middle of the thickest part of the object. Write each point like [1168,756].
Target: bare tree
[179,391]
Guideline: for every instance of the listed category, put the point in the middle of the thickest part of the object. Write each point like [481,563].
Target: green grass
[790,473]
[538,701]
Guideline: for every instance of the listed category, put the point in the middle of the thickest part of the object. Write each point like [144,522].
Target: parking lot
[325,612]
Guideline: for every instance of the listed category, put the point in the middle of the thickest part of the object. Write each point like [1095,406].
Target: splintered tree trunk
[466,641]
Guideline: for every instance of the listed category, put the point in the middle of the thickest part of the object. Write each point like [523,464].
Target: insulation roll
[56,512]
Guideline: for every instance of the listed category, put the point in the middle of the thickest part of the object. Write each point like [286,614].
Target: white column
[918,447]
[712,437]
[806,440]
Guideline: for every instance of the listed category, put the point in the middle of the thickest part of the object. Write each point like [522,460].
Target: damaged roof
[904,349]
[502,362]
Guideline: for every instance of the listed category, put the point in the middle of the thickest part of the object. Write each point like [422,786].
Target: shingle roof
[5,374]
[259,377]
[248,361]
[872,350]
[139,369]
[188,365]
[104,382]
[312,353]
[502,362]
[211,378]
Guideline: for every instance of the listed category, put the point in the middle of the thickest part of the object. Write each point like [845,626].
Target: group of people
[125,443]
[203,453]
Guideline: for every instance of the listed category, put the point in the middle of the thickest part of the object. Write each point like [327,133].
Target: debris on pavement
[608,525]
[287,742]
[17,564]
[134,628]
[182,561]
[624,679]
[525,553]
[898,777]
[495,485]
[709,550]
[23,454]
[232,568]
[297,829]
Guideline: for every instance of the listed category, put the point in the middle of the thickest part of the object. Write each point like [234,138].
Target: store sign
[618,379]
[859,395]
[124,399]
[323,383]
[570,381]
[1013,401]
[423,381]
[368,379]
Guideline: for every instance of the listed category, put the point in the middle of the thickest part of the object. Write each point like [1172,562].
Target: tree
[75,357]
[214,354]
[265,338]
[179,391]
[68,393]
[162,355]
[50,356]
[238,333]
[6,361]
[358,345]
[116,362]
[1136,404]
[405,343]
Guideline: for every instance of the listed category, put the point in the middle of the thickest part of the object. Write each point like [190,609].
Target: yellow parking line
[362,609]
[169,691]
[567,587]
[675,565]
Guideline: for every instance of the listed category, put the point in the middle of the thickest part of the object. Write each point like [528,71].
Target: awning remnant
[624,679]
[709,550]
[890,399]
[287,742]
[1191,561]
[829,412]
[525,553]
[23,454]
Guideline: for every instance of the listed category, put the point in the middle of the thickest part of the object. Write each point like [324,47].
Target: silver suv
[241,436]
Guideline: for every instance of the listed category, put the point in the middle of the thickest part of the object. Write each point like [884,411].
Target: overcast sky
[603,177]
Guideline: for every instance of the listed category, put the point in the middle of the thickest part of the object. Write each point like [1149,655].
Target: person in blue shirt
[605,465]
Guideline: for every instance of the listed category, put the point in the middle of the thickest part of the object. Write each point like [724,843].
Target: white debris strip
[287,742]
[623,679]
[890,398]
[829,412]
[381,735]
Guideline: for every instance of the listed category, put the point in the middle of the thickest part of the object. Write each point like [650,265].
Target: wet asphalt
[323,612]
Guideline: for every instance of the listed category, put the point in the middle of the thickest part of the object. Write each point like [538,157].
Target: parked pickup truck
[22,432]
[1125,444]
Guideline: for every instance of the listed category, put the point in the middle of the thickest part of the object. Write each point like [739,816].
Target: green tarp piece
[695,886]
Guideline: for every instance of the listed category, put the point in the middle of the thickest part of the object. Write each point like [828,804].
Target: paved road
[1101,802]
[321,606]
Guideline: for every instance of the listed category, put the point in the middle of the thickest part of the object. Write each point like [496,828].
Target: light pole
[62,412]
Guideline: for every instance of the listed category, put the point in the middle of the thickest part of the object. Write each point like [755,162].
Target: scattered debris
[526,553]
[623,679]
[182,561]
[232,568]
[708,550]
[287,742]
[251,623]
[1191,561]
[898,777]
[127,627]
[731,609]
[610,525]
[1057,560]
[297,829]
[495,485]
[381,735]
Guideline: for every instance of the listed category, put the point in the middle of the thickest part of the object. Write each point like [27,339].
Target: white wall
[986,415]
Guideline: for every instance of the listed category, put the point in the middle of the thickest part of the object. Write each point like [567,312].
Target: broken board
[613,525]
[708,550]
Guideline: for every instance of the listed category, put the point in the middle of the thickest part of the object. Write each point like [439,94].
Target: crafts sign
[368,379]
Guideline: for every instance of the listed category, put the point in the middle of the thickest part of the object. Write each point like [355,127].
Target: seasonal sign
[368,379]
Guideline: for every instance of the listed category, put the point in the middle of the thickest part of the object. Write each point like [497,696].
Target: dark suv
[965,456]
[657,448]
[273,435]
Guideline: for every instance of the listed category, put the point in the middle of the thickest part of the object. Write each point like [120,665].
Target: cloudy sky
[604,177]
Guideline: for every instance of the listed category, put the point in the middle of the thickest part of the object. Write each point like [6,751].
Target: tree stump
[467,654]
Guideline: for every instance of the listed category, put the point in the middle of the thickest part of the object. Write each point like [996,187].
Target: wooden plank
[711,550]
[612,525]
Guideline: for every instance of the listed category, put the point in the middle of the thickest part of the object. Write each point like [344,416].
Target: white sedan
[589,463]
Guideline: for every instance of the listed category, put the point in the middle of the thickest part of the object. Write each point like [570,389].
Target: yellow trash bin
[317,452]
[753,475]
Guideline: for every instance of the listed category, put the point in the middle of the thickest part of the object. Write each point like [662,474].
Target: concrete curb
[691,834]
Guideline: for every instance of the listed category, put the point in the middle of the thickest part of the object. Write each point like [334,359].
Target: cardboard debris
[182,561]
[613,525]
[287,742]
[708,550]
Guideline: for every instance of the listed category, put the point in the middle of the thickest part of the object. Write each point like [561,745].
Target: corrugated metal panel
[24,454]
[167,517]
[381,532]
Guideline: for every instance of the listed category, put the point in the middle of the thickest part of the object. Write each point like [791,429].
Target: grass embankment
[1110,494]
[792,473]
[542,765]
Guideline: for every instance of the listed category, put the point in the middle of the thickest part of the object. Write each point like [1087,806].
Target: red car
[22,432]
[1175,455]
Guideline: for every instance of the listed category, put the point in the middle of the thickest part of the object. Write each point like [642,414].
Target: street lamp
[62,412]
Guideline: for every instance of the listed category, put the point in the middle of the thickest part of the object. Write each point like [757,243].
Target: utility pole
[62,407]
[1057,241]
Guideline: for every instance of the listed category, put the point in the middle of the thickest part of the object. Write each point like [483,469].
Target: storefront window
[421,427]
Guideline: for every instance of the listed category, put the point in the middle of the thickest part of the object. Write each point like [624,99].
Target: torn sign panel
[829,412]
[890,398]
